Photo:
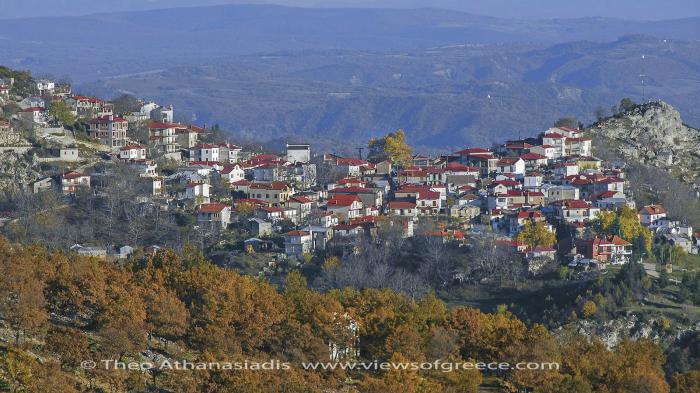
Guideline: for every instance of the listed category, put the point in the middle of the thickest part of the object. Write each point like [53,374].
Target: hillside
[443,97]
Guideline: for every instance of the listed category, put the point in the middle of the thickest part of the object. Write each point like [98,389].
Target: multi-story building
[298,152]
[613,249]
[109,130]
[71,182]
[214,215]
[162,137]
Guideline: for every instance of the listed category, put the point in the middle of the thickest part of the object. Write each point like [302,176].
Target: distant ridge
[196,35]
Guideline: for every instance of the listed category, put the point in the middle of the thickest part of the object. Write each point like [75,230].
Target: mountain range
[539,9]
[328,74]
[442,97]
[98,45]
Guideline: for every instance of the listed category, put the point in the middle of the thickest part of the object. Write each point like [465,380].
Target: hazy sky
[630,9]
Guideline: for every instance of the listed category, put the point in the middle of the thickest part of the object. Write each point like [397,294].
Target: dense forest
[59,310]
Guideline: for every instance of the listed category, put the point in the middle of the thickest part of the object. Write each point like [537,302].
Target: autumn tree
[70,344]
[536,234]
[688,382]
[392,147]
[166,315]
[245,209]
[122,316]
[22,290]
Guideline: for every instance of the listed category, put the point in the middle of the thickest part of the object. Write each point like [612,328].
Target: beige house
[275,193]
[214,215]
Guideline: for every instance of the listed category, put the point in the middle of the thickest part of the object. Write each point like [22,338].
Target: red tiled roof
[508,160]
[242,182]
[363,219]
[532,156]
[554,135]
[653,209]
[161,126]
[457,167]
[94,100]
[350,180]
[252,201]
[132,147]
[73,175]
[609,180]
[606,194]
[300,199]
[576,204]
[343,200]
[350,161]
[507,183]
[34,109]
[529,214]
[228,169]
[297,233]
[212,207]
[351,190]
[275,185]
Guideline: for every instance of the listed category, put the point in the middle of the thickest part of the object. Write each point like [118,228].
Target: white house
[403,209]
[197,190]
[35,114]
[298,243]
[45,86]
[548,151]
[132,152]
[349,206]
[650,214]
[514,165]
[232,173]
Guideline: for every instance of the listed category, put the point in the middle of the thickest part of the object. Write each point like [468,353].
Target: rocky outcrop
[17,170]
[654,134]
[613,331]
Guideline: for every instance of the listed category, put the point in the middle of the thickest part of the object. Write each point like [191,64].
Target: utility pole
[360,149]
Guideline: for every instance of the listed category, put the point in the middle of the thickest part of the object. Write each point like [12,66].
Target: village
[547,198]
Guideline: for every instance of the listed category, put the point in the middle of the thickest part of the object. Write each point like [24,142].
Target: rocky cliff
[654,134]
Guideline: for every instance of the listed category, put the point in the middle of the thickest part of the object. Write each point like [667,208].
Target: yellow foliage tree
[589,309]
[392,147]
[536,234]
